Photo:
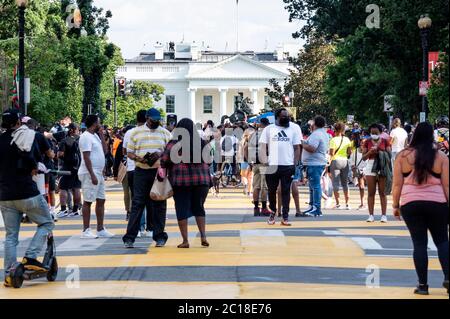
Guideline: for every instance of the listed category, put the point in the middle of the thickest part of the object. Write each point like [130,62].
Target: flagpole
[237,25]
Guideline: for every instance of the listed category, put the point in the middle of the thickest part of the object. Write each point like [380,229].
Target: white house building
[204,85]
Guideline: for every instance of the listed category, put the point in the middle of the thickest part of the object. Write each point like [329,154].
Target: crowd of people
[269,160]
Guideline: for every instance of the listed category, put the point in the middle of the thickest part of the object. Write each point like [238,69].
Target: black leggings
[421,216]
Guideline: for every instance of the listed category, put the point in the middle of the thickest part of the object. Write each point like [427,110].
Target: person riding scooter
[19,193]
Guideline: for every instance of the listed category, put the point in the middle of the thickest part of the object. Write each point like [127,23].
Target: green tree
[375,62]
[307,80]
[91,54]
[142,96]
[438,96]
[275,92]
[55,84]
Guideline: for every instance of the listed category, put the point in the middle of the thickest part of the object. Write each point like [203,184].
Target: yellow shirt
[143,141]
[342,152]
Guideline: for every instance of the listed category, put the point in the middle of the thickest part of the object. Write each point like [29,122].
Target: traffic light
[108,105]
[122,87]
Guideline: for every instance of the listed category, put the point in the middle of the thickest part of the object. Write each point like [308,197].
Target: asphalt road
[339,255]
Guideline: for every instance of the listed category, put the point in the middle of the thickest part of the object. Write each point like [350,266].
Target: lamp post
[424,24]
[22,4]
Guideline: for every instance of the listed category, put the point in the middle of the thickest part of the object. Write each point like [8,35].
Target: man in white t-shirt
[93,148]
[399,139]
[283,142]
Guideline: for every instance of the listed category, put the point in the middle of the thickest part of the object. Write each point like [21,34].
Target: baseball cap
[25,119]
[10,118]
[154,114]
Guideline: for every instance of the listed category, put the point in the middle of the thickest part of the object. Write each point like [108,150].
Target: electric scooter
[18,273]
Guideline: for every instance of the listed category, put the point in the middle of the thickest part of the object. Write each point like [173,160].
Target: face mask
[284,121]
[375,137]
[154,125]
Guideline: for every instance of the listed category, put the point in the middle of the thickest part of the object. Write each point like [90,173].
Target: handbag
[161,189]
[122,172]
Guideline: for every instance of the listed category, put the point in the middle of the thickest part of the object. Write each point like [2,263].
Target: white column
[256,107]
[192,105]
[223,101]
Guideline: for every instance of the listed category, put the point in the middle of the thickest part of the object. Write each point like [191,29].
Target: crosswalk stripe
[262,237]
[75,243]
[367,243]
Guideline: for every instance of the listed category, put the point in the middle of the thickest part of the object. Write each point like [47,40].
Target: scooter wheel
[53,272]
[17,271]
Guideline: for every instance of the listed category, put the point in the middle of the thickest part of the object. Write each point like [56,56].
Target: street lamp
[424,24]
[22,4]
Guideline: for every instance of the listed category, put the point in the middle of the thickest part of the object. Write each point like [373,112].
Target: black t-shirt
[16,182]
[72,156]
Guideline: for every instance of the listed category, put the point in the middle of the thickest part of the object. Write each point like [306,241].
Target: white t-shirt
[131,165]
[91,143]
[281,141]
[399,137]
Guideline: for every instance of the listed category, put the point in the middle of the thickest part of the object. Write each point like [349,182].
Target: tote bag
[122,172]
[161,189]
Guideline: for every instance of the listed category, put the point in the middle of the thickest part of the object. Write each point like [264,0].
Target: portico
[221,83]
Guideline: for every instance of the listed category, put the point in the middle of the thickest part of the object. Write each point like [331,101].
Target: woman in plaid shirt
[187,158]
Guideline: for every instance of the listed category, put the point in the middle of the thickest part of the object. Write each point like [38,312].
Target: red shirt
[382,146]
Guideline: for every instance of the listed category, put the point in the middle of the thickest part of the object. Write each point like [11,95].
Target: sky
[137,25]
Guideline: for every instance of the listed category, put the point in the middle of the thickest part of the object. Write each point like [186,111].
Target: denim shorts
[298,176]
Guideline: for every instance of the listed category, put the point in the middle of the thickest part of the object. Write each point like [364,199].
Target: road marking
[262,237]
[261,233]
[332,232]
[367,243]
[75,243]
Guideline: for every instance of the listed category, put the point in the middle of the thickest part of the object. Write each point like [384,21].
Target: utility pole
[115,102]
[22,58]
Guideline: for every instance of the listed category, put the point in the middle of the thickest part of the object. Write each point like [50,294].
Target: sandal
[205,242]
[183,245]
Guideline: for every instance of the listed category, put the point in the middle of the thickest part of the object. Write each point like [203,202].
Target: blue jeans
[37,210]
[315,189]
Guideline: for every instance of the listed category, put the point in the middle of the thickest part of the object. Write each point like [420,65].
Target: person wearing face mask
[371,149]
[283,142]
[93,148]
[145,147]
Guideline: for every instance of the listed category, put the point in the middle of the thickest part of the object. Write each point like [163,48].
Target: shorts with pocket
[368,168]
[90,191]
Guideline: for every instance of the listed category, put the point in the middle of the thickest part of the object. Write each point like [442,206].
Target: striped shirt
[143,141]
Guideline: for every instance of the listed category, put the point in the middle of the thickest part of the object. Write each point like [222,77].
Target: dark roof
[169,56]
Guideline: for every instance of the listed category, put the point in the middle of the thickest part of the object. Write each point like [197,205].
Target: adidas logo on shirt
[281,137]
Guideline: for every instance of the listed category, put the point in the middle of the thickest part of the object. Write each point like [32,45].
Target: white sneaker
[63,213]
[147,233]
[139,235]
[104,234]
[371,219]
[348,207]
[87,234]
[384,219]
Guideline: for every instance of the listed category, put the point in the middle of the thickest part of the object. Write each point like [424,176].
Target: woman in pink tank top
[420,196]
